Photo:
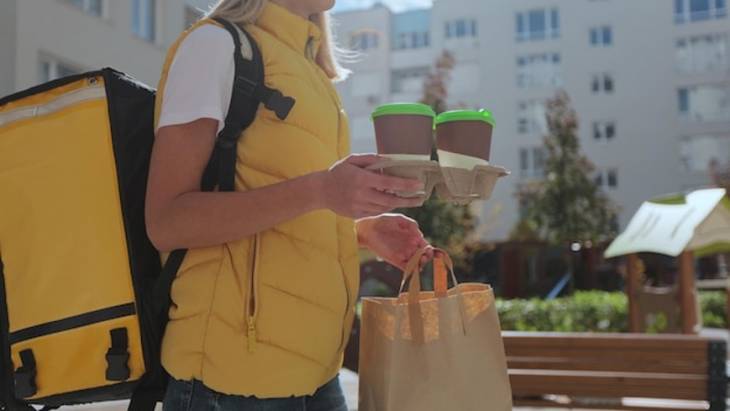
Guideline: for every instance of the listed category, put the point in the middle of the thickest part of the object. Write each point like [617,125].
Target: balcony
[703,15]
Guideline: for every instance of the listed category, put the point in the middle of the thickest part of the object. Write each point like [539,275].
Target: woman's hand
[393,237]
[351,191]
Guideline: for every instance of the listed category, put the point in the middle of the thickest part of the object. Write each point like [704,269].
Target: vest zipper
[253,297]
[343,336]
[308,49]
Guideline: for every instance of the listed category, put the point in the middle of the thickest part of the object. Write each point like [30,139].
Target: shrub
[713,309]
[596,311]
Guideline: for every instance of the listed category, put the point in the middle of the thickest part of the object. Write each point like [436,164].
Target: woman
[264,301]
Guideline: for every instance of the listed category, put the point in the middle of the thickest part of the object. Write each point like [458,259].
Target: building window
[698,10]
[538,24]
[697,152]
[531,117]
[364,40]
[413,40]
[604,130]
[91,7]
[607,178]
[408,80]
[144,19]
[532,162]
[703,53]
[602,83]
[461,28]
[705,103]
[612,178]
[539,71]
[601,36]
[51,69]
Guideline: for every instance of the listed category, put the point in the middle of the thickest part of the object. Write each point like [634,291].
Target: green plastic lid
[466,115]
[412,109]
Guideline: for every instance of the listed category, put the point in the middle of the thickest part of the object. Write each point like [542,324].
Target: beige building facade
[45,39]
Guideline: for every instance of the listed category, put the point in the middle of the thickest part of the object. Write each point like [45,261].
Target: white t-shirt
[200,79]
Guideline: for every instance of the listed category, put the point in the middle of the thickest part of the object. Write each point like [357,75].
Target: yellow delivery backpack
[83,296]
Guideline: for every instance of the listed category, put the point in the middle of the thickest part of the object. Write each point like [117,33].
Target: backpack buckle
[117,357]
[117,368]
[25,376]
[280,104]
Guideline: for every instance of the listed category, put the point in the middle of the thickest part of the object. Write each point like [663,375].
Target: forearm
[200,219]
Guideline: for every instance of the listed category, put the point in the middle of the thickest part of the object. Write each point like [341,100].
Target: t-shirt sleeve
[200,79]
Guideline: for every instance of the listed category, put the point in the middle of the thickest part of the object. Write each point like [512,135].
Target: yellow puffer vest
[269,315]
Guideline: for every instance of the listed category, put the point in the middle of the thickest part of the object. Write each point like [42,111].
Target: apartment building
[650,80]
[45,39]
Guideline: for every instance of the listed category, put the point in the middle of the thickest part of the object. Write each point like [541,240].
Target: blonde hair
[243,12]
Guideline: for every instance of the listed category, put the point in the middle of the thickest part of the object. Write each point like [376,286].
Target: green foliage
[584,311]
[567,205]
[595,311]
[713,309]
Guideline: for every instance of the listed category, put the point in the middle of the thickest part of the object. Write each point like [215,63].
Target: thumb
[363,160]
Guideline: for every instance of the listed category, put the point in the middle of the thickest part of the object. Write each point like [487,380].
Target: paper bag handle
[442,266]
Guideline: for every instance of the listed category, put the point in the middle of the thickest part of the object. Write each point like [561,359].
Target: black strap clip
[117,357]
[280,104]
[25,376]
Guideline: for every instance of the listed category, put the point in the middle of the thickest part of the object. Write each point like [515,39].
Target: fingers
[390,201]
[396,184]
[363,160]
[427,256]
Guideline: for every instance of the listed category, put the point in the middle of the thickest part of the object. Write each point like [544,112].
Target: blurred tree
[445,225]
[720,174]
[566,206]
[435,85]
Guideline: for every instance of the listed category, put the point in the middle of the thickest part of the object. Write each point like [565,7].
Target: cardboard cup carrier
[464,142]
[404,134]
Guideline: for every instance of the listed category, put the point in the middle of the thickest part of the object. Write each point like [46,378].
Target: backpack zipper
[251,310]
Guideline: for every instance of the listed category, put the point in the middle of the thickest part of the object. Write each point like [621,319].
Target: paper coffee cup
[404,129]
[465,132]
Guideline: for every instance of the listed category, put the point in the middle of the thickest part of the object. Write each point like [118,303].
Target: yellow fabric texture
[62,238]
[281,331]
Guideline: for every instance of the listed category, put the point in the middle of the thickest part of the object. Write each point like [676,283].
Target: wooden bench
[612,371]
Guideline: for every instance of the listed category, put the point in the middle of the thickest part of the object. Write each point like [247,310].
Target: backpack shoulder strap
[249,90]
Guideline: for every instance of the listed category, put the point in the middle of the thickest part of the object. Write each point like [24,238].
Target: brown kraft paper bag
[435,350]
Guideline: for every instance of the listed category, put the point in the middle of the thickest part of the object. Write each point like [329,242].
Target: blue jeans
[194,396]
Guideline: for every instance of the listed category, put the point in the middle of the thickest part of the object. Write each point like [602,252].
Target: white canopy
[698,221]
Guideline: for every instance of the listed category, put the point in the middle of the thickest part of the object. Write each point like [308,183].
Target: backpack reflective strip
[71,98]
